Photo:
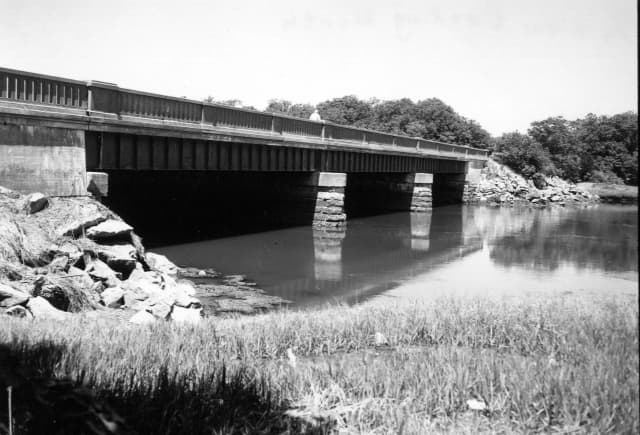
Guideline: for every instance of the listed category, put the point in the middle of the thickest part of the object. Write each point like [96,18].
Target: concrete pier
[421,198]
[329,205]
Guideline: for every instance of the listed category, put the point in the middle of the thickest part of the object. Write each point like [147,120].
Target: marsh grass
[555,365]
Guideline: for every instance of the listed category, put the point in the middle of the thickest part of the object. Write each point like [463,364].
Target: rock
[109,229]
[41,309]
[69,250]
[10,297]
[142,318]
[59,264]
[18,311]
[380,340]
[121,258]
[476,405]
[161,263]
[99,271]
[133,299]
[52,292]
[555,198]
[186,315]
[144,283]
[113,297]
[159,306]
[77,227]
[36,202]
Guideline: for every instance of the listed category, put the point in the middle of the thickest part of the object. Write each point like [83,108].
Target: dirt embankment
[69,255]
[499,185]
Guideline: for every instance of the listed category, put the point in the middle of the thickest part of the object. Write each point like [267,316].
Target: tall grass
[544,366]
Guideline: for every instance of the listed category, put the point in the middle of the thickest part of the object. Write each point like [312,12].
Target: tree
[610,147]
[523,154]
[557,136]
[231,103]
[288,108]
[347,110]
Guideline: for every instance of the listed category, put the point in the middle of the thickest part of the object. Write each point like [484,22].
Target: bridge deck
[136,119]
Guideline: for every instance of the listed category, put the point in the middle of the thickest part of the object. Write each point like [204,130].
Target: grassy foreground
[555,365]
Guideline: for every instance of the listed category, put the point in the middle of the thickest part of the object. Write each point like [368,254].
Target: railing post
[273,124]
[202,118]
[364,137]
[417,144]
[323,130]
[90,105]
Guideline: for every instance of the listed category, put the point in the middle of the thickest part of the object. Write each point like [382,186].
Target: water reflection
[376,254]
[327,251]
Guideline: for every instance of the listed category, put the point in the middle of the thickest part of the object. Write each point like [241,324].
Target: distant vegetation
[429,119]
[600,149]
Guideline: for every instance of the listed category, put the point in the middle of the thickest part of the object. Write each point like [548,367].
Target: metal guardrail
[108,98]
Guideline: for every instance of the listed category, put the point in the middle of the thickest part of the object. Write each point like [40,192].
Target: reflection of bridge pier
[327,249]
[420,228]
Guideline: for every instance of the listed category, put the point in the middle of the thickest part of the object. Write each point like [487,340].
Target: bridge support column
[421,198]
[471,180]
[329,202]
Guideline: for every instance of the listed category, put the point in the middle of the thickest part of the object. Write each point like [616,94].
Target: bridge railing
[41,89]
[112,100]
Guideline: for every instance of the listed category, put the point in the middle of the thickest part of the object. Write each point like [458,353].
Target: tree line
[595,148]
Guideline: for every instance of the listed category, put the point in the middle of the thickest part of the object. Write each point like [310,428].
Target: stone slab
[328,179]
[423,178]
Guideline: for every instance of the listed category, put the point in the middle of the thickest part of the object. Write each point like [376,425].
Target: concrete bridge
[63,137]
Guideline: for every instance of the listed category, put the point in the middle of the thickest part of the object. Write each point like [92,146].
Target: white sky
[503,63]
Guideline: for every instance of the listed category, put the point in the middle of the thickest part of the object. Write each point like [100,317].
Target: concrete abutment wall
[40,158]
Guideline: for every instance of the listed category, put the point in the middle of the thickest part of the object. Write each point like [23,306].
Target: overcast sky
[502,63]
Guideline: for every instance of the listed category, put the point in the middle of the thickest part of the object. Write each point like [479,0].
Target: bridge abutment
[40,158]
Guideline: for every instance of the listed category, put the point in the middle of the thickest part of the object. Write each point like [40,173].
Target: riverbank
[447,366]
[612,193]
[60,256]
[498,185]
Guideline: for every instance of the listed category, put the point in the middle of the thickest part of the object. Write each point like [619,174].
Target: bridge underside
[221,184]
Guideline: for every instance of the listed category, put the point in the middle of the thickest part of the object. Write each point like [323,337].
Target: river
[470,250]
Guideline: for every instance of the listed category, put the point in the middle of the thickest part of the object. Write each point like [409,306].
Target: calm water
[454,249]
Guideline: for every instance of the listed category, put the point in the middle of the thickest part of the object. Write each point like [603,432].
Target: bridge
[63,137]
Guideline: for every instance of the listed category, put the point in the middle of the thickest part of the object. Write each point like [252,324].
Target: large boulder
[186,315]
[109,229]
[121,258]
[161,263]
[52,292]
[100,271]
[19,311]
[36,202]
[79,226]
[148,283]
[10,297]
[113,297]
[41,309]
[159,306]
